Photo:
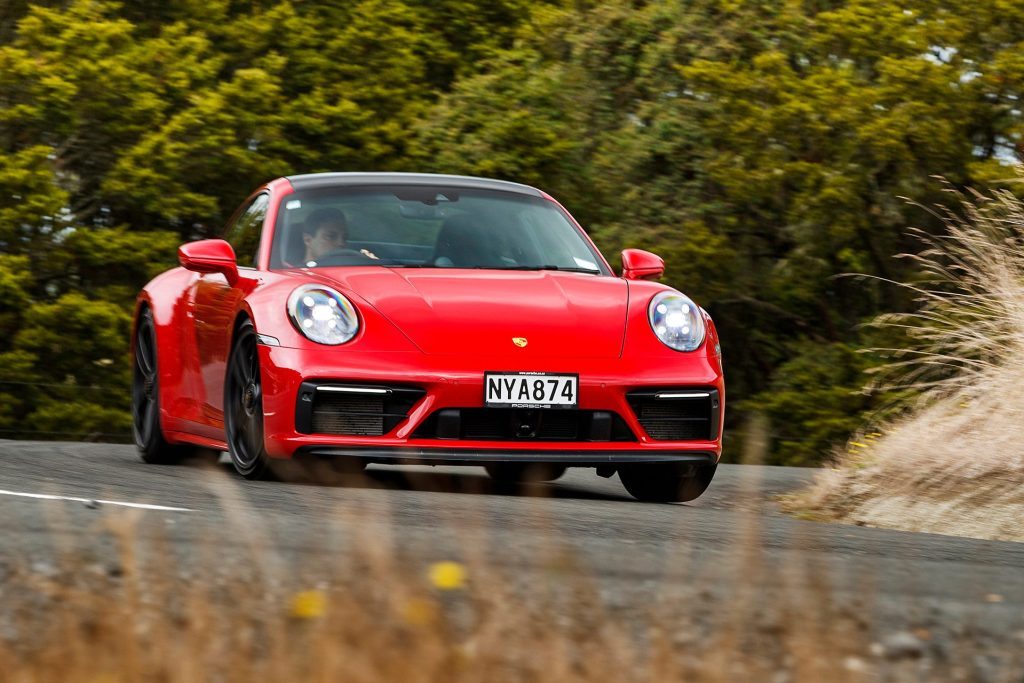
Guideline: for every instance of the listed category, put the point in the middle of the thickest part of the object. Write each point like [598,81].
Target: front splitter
[455,456]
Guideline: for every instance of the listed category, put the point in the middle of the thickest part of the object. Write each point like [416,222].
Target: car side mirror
[638,264]
[209,256]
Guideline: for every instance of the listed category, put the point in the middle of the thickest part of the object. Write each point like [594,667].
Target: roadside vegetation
[131,604]
[761,148]
[953,462]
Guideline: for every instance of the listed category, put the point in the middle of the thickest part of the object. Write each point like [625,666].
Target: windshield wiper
[564,269]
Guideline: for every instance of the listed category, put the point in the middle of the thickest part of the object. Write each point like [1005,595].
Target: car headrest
[463,242]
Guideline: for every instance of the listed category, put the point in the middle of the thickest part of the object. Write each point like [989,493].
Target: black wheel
[149,437]
[243,407]
[667,482]
[523,472]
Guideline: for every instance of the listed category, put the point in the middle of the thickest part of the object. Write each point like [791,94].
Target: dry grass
[955,464]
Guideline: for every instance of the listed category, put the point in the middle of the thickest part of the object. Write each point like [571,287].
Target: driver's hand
[368,253]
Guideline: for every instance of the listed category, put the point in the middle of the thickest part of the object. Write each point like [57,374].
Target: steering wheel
[346,257]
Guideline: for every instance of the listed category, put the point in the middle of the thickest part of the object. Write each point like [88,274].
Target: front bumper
[457,382]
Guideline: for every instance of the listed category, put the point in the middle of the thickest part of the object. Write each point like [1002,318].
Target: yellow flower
[448,576]
[308,605]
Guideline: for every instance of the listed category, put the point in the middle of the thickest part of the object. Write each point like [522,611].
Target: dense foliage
[763,148]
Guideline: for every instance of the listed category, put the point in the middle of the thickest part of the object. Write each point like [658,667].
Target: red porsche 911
[411,318]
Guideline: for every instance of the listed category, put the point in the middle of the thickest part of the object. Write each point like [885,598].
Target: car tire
[523,472]
[667,482]
[243,407]
[149,437]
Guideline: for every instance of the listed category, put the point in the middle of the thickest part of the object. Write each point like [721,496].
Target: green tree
[764,148]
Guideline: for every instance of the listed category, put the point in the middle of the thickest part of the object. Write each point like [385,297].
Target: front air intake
[351,409]
[677,414]
[518,424]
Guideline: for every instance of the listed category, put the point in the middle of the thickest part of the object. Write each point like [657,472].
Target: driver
[325,231]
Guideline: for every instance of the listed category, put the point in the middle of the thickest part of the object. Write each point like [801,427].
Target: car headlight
[676,321]
[323,315]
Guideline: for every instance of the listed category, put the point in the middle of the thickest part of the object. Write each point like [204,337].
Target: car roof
[315,181]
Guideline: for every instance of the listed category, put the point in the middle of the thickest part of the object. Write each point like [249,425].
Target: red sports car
[412,318]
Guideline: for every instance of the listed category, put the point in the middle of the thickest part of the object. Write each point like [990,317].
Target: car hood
[448,312]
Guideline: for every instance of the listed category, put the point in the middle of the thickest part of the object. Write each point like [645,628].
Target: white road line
[143,506]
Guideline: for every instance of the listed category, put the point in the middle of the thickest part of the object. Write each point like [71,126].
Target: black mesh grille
[677,419]
[560,425]
[484,424]
[501,424]
[344,413]
[348,414]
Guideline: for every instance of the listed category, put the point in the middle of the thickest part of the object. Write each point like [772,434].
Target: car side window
[244,233]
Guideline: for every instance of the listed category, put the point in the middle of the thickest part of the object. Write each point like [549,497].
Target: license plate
[530,390]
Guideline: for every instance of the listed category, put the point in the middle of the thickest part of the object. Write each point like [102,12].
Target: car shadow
[399,478]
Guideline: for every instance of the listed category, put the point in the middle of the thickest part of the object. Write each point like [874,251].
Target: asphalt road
[733,543]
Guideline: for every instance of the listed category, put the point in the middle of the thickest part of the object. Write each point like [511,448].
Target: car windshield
[428,227]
